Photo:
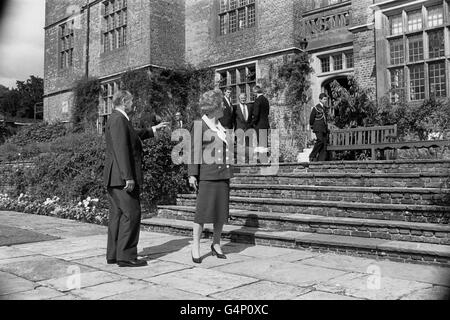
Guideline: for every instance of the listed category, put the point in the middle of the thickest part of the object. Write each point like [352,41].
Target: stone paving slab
[369,287]
[39,268]
[158,292]
[320,295]
[421,273]
[13,252]
[434,293]
[202,281]
[340,262]
[10,284]
[81,254]
[184,256]
[287,255]
[13,235]
[87,279]
[110,289]
[40,293]
[153,269]
[262,290]
[282,272]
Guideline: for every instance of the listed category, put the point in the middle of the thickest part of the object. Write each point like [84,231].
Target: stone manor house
[399,47]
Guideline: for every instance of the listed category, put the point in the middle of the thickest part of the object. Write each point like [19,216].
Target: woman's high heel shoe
[196,260]
[215,253]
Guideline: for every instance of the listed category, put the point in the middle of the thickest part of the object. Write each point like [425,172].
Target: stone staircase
[397,210]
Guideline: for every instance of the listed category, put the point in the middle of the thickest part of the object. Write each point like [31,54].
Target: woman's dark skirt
[213,202]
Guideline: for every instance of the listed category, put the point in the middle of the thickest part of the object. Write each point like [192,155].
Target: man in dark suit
[229,113]
[319,125]
[123,179]
[260,115]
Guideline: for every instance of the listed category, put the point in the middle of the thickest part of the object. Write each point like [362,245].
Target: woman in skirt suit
[210,172]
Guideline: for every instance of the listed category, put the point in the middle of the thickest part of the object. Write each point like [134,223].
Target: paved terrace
[42,257]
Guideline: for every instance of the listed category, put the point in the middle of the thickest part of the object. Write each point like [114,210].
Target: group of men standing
[246,116]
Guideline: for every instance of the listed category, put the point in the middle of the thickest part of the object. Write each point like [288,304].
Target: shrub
[353,105]
[163,180]
[38,132]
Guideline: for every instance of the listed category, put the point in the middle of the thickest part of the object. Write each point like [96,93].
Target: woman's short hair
[211,101]
[120,96]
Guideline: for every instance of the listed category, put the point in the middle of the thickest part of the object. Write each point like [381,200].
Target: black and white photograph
[225,155]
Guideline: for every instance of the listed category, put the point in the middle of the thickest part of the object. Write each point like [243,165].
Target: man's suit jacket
[123,151]
[240,122]
[229,115]
[318,112]
[219,170]
[260,113]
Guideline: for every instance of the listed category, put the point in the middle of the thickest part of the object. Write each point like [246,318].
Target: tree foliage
[20,102]
[354,105]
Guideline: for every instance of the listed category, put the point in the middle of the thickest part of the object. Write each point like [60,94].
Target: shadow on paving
[11,236]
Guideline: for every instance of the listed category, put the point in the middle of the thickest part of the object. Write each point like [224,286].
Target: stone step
[385,166]
[387,180]
[367,228]
[396,212]
[369,247]
[417,196]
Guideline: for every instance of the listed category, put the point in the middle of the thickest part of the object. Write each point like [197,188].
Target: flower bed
[85,211]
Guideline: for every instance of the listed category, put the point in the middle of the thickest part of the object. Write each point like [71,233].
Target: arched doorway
[326,88]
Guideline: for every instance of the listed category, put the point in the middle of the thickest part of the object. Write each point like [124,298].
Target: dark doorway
[326,88]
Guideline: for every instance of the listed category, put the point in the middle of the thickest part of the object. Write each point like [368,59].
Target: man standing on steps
[123,179]
[260,117]
[318,122]
[229,114]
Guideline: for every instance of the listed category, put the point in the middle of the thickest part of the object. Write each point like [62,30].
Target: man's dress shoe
[111,261]
[132,263]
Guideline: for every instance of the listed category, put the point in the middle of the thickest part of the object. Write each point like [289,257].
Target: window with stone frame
[420,48]
[240,79]
[436,43]
[338,63]
[415,21]
[396,24]
[397,51]
[106,102]
[325,64]
[235,15]
[417,82]
[437,79]
[66,44]
[415,48]
[349,59]
[397,84]
[115,18]
[435,16]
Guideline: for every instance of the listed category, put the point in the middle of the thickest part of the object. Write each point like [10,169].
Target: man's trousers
[320,148]
[124,224]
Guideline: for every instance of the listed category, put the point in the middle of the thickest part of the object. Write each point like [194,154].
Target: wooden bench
[375,138]
[362,138]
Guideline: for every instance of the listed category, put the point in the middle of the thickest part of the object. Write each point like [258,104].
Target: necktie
[244,108]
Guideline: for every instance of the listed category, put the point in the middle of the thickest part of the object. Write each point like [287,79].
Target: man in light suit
[123,179]
[229,114]
[243,114]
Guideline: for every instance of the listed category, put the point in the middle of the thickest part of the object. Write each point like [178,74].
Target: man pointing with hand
[123,178]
